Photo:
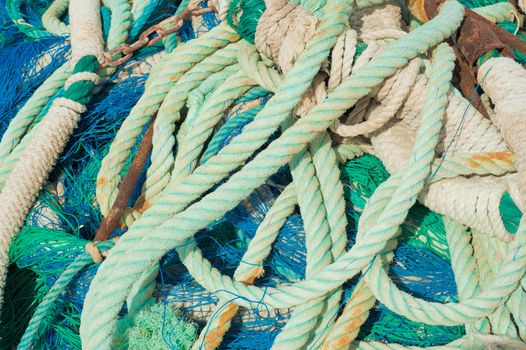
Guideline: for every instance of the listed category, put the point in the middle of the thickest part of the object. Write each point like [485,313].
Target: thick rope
[196,216]
[52,133]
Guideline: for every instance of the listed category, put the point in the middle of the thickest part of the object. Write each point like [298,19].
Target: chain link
[165,27]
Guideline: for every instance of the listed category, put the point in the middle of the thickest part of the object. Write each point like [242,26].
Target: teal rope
[301,327]
[232,124]
[251,265]
[158,174]
[210,114]
[13,8]
[389,205]
[102,310]
[158,86]
[121,20]
[44,311]
[215,66]
[141,12]
[170,41]
[197,97]
[190,147]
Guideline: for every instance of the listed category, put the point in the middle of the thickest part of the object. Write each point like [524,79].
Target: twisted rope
[93,254]
[30,172]
[227,195]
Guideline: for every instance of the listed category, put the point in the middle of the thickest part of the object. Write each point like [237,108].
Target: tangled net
[262,174]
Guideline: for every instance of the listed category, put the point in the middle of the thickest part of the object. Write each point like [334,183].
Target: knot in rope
[283,31]
[377,22]
[68,104]
[94,252]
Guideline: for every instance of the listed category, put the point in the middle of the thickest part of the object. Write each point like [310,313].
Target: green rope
[102,310]
[250,15]
[13,8]
[36,327]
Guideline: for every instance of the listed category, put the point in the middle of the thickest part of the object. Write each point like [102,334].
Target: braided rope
[35,163]
[26,116]
[173,66]
[305,319]
[13,144]
[158,175]
[210,113]
[441,70]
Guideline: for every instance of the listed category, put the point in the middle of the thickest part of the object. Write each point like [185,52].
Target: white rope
[50,136]
[377,22]
[86,30]
[504,80]
[30,173]
[390,116]
[82,76]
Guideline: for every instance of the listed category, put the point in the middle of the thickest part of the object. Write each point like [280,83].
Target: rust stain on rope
[110,222]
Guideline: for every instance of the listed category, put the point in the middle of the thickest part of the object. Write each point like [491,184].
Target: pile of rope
[303,175]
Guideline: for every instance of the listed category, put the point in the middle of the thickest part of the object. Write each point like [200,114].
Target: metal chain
[165,27]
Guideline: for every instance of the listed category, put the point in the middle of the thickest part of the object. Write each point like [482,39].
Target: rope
[174,65]
[507,97]
[13,8]
[276,154]
[51,18]
[51,134]
[93,254]
[36,162]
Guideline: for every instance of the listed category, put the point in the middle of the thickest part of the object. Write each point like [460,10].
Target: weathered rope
[94,253]
[317,120]
[52,132]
